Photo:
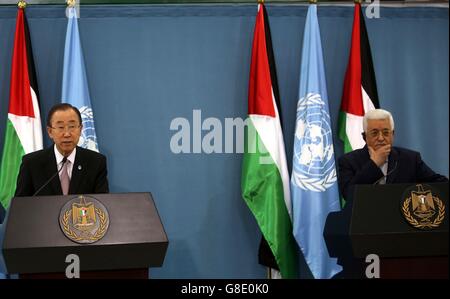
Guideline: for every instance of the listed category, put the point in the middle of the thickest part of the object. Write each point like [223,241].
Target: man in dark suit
[84,171]
[80,170]
[378,162]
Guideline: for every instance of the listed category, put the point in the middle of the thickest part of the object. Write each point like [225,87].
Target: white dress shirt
[384,169]
[70,161]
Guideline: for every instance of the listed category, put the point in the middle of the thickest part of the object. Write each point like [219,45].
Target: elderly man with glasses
[379,162]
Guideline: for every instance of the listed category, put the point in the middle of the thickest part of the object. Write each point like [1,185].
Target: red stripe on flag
[352,101]
[260,99]
[20,101]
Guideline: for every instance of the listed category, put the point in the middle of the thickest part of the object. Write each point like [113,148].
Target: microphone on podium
[64,160]
[386,175]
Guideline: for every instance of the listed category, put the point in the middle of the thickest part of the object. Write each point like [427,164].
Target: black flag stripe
[368,80]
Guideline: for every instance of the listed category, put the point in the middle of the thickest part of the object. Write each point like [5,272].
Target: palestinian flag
[265,178]
[23,132]
[360,88]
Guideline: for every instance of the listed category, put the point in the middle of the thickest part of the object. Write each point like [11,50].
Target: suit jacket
[356,167]
[89,173]
[404,166]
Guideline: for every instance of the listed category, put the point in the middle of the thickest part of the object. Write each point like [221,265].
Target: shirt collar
[60,157]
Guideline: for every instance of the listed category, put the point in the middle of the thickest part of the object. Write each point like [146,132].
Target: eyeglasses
[376,133]
[69,128]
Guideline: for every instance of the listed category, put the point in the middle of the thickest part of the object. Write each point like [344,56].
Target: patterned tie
[65,181]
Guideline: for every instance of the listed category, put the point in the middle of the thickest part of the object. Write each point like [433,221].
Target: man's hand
[380,155]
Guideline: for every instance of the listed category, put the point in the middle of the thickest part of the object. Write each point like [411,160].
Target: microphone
[64,160]
[385,176]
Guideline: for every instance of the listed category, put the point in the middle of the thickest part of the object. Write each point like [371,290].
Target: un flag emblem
[88,138]
[314,166]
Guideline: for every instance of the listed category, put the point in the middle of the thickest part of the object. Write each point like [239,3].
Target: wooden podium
[374,224]
[35,246]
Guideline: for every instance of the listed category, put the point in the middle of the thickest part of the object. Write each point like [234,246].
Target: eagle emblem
[422,209]
[84,219]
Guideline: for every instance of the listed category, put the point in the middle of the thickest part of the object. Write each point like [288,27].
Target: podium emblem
[422,208]
[84,219]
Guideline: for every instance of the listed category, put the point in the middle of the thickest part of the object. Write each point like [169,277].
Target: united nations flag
[314,189]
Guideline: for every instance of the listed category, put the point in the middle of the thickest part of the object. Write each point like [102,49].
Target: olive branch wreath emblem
[91,237]
[437,221]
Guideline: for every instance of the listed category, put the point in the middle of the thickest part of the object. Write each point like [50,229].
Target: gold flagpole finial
[312,1]
[71,3]
[22,4]
[260,1]
[358,1]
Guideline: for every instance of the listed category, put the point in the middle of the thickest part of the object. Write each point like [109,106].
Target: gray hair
[377,114]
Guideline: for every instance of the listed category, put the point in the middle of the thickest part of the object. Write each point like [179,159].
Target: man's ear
[49,132]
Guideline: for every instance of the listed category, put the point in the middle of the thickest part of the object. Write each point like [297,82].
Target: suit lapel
[364,156]
[50,168]
[77,170]
[392,166]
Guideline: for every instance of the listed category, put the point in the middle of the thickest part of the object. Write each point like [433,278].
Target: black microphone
[64,160]
[389,173]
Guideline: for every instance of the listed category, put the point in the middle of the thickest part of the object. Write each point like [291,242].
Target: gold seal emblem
[423,209]
[84,219]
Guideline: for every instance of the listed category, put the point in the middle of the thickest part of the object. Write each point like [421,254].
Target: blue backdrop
[149,64]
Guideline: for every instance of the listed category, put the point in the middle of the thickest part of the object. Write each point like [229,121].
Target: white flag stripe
[269,130]
[353,129]
[367,102]
[28,129]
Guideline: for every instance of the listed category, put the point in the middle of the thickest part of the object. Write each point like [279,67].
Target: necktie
[384,171]
[65,181]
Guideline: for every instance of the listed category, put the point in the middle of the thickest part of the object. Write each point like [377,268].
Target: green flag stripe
[10,164]
[342,121]
[262,190]
[342,124]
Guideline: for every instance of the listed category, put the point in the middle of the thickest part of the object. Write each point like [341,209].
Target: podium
[374,224]
[35,245]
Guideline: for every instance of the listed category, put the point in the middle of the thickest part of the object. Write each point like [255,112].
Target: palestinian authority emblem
[84,219]
[422,208]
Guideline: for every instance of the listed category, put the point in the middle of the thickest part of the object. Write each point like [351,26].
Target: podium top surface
[29,227]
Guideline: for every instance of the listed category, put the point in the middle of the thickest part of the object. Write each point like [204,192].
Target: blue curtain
[149,64]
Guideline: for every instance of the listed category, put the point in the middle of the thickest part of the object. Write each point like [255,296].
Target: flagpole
[22,4]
